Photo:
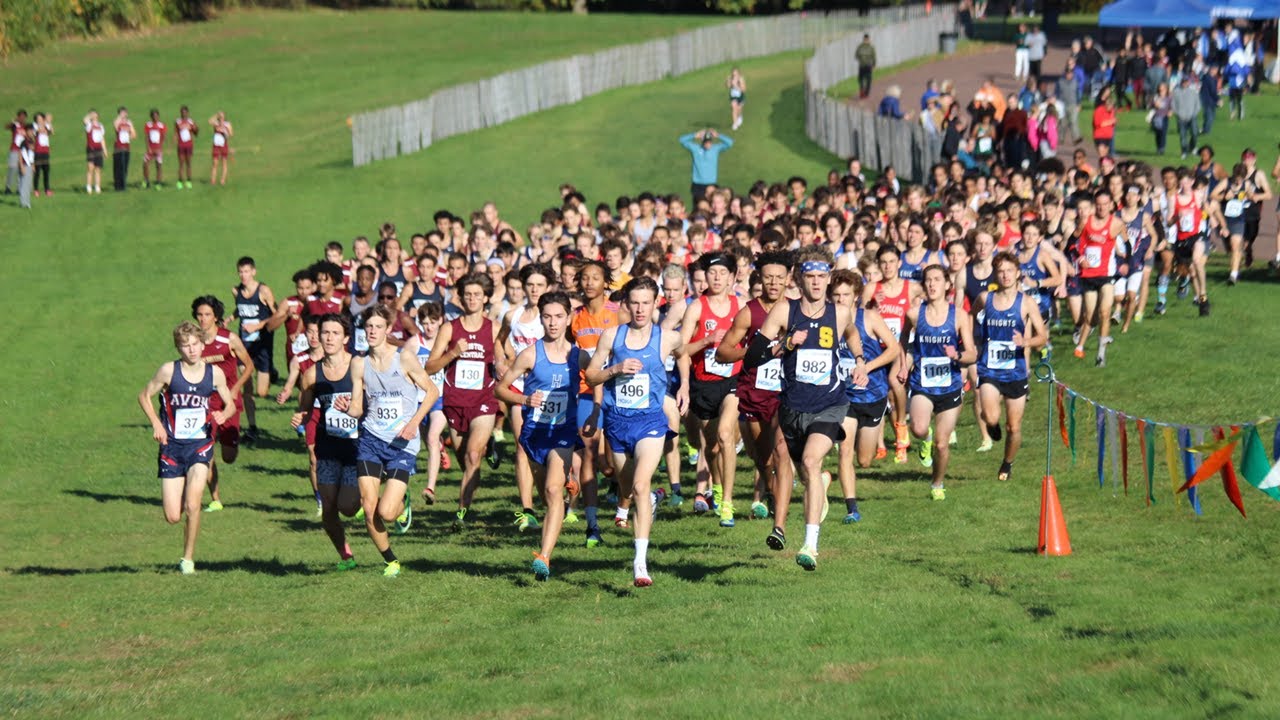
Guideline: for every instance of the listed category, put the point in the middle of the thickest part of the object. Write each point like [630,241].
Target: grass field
[922,610]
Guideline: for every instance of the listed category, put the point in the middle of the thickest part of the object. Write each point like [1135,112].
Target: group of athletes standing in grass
[786,320]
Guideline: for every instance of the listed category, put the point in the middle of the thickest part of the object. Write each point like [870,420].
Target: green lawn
[922,610]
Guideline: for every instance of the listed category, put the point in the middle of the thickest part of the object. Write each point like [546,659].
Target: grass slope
[922,610]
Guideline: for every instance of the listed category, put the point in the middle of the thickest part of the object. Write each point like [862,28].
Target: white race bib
[984,144]
[384,415]
[632,393]
[895,325]
[1235,208]
[154,137]
[670,364]
[715,367]
[1093,256]
[339,424]
[1001,354]
[361,341]
[935,372]
[43,139]
[19,139]
[97,136]
[468,374]
[1187,221]
[184,135]
[219,140]
[300,344]
[769,376]
[123,137]
[554,409]
[188,423]
[813,366]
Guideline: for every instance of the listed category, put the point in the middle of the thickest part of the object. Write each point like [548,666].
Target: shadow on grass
[114,497]
[257,566]
[68,572]
[264,470]
[266,441]
[786,125]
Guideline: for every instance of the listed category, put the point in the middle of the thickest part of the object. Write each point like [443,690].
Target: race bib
[300,344]
[715,367]
[895,326]
[984,144]
[935,373]
[154,137]
[189,423]
[1093,256]
[19,139]
[219,140]
[43,139]
[248,313]
[97,136]
[670,364]
[1235,208]
[632,393]
[184,135]
[1187,221]
[813,366]
[339,424]
[769,376]
[384,415]
[468,374]
[123,137]
[554,409]
[1001,354]
[361,341]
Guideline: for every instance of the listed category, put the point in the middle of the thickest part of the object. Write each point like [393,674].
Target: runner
[893,296]
[630,361]
[869,401]
[737,96]
[1040,272]
[187,129]
[430,317]
[155,131]
[1009,326]
[424,289]
[185,433]
[43,131]
[1140,231]
[467,349]
[331,401]
[363,296]
[813,406]
[327,298]
[298,367]
[546,373]
[758,390]
[675,296]
[388,444]
[1101,252]
[713,384]
[588,323]
[1187,215]
[932,356]
[521,328]
[94,151]
[225,351]
[255,306]
[290,313]
[124,135]
[222,133]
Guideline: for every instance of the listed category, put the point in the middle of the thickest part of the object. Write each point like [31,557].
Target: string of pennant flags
[1192,452]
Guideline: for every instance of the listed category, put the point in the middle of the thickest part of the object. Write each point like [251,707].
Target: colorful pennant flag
[1124,451]
[1188,465]
[1148,440]
[1062,417]
[1071,424]
[1171,460]
[1100,419]
[1229,483]
[1255,466]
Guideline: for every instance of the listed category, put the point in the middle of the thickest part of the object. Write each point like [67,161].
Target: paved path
[969,70]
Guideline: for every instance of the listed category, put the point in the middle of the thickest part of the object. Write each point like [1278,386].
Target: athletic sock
[642,551]
[811,536]
[529,511]
[345,553]
[591,516]
[851,505]
[622,513]
[1162,287]
[675,489]
[389,555]
[900,434]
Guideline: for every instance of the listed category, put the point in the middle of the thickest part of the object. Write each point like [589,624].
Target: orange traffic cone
[1053,527]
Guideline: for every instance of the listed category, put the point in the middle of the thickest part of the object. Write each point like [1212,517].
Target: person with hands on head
[705,147]
[124,135]
[805,333]
[931,361]
[549,369]
[630,361]
[185,430]
[222,133]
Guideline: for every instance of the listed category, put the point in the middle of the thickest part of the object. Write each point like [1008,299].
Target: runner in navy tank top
[1010,326]
[813,403]
[467,350]
[1040,276]
[184,430]
[933,359]
[869,401]
[330,391]
[550,369]
[630,362]
[759,387]
[255,306]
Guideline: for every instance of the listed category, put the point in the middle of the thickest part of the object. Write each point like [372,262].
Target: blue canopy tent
[1242,9]
[1160,13]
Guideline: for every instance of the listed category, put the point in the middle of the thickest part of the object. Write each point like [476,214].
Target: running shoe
[187,567]
[1078,352]
[776,540]
[700,504]
[655,499]
[526,521]
[404,520]
[675,499]
[986,445]
[1100,361]
[881,453]
[346,564]
[429,495]
[691,452]
[642,577]
[737,450]
[852,517]
[593,536]
[926,453]
[359,516]
[1204,307]
[460,519]
[900,456]
[250,436]
[807,558]
[759,510]
[621,523]
[214,506]
[1075,336]
[1137,317]
[319,510]
[1006,468]
[571,487]
[445,462]
[1184,288]
[499,435]
[541,567]
[938,493]
[1160,307]
[492,456]
[570,517]
[717,497]
[826,503]
[954,439]
[392,569]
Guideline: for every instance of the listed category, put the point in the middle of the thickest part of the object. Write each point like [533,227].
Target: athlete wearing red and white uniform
[225,351]
[94,151]
[186,129]
[1101,251]
[154,132]
[893,297]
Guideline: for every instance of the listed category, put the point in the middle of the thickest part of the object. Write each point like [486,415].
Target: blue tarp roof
[1183,13]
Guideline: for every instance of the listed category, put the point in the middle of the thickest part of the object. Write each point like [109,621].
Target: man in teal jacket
[705,146]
